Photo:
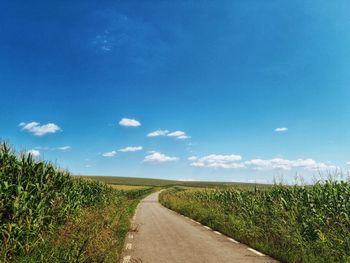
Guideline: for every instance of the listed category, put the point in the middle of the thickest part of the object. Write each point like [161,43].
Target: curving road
[160,235]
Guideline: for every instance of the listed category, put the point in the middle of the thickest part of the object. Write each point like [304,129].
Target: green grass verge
[96,235]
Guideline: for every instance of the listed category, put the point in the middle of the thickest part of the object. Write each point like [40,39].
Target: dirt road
[163,236]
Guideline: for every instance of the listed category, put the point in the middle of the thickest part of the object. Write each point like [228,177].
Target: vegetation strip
[46,215]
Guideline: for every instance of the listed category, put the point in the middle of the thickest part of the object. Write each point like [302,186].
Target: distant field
[128,187]
[117,180]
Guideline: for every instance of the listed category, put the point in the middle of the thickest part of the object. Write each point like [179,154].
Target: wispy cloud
[129,122]
[61,148]
[131,149]
[64,148]
[42,148]
[217,161]
[39,130]
[109,154]
[104,41]
[159,157]
[284,164]
[142,40]
[282,129]
[176,134]
[193,158]
[179,135]
[158,133]
[34,153]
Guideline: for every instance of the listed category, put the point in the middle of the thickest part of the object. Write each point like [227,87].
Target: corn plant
[36,197]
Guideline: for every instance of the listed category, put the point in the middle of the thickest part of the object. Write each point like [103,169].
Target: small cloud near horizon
[158,133]
[131,149]
[176,134]
[129,122]
[217,161]
[179,135]
[109,154]
[282,129]
[159,157]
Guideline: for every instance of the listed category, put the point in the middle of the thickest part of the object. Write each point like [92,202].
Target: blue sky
[215,79]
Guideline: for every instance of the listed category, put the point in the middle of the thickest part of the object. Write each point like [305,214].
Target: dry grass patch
[128,187]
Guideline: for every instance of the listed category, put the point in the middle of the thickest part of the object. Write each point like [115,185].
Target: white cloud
[176,134]
[39,130]
[34,153]
[184,137]
[131,149]
[64,148]
[282,129]
[283,164]
[179,135]
[129,122]
[159,157]
[158,133]
[109,154]
[217,161]
[348,163]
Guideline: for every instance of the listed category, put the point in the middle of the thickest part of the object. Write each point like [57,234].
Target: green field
[118,180]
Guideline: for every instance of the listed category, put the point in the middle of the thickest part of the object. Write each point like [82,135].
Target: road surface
[160,235]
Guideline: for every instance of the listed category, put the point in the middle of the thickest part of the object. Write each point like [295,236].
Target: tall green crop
[35,197]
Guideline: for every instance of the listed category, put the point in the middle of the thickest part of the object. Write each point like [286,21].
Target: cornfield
[36,197]
[291,223]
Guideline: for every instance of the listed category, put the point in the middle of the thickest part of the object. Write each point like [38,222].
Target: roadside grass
[96,235]
[292,224]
